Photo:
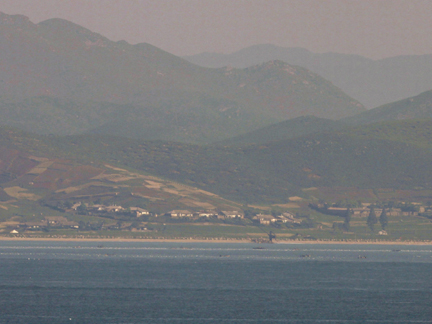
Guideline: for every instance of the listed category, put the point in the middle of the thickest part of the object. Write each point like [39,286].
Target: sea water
[95,282]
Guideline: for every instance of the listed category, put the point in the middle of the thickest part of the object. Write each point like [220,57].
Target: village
[403,209]
[114,210]
[132,218]
[137,219]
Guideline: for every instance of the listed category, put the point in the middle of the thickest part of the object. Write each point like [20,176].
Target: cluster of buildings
[283,218]
[364,211]
[234,214]
[179,214]
[137,211]
[224,214]
[49,221]
[412,209]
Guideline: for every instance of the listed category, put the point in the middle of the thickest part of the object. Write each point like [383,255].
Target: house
[180,213]
[265,219]
[288,218]
[232,214]
[338,209]
[139,211]
[360,212]
[207,214]
[56,220]
[97,208]
[114,208]
[409,213]
[284,219]
[288,215]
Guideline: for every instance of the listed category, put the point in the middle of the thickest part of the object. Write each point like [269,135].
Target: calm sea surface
[79,282]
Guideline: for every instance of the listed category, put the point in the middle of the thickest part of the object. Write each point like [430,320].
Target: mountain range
[76,108]
[372,82]
[58,77]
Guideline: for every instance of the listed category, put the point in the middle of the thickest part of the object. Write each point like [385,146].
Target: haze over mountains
[58,77]
[373,83]
[275,129]
[414,108]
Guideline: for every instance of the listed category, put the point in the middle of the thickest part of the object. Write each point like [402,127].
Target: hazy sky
[373,28]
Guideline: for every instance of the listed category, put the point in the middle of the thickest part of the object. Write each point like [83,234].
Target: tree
[346,224]
[335,226]
[82,225]
[82,209]
[372,219]
[135,224]
[383,219]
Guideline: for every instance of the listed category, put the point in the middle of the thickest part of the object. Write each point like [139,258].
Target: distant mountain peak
[58,25]
[372,82]
[62,23]
[6,19]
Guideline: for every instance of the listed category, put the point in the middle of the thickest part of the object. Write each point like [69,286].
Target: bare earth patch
[77,188]
[21,193]
[295,198]
[41,168]
[194,203]
[153,184]
[290,205]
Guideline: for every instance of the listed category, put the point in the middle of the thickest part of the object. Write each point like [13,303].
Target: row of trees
[372,220]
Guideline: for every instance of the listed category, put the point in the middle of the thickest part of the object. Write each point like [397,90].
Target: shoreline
[211,241]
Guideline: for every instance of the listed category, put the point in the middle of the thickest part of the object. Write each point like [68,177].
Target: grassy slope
[285,130]
[364,157]
[417,132]
[418,107]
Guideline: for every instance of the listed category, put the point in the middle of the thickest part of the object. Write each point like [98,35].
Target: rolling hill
[285,130]
[31,186]
[373,83]
[394,155]
[58,77]
[418,107]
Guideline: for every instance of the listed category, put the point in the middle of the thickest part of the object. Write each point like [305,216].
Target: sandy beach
[239,241]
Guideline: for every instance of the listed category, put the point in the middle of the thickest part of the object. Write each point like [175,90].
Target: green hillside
[263,173]
[289,129]
[417,132]
[341,160]
[418,107]
[58,77]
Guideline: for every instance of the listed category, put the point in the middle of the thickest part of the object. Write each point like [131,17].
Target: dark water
[57,282]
